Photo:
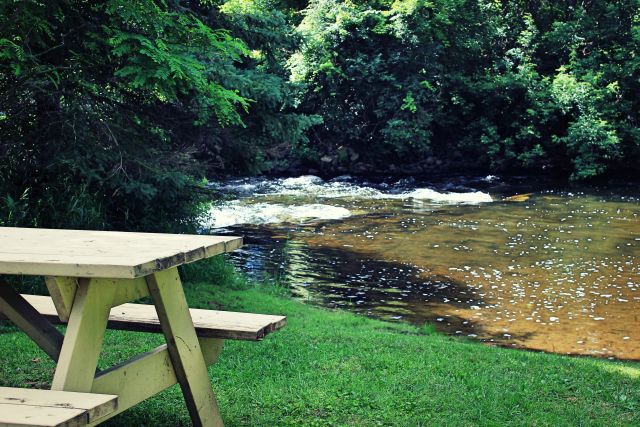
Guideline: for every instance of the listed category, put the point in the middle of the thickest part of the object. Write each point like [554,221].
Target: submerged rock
[518,197]
[326,159]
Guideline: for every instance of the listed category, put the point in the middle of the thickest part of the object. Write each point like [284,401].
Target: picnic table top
[106,254]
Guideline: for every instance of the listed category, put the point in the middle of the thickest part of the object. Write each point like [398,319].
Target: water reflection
[553,271]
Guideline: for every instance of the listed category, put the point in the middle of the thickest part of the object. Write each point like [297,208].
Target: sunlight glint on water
[553,271]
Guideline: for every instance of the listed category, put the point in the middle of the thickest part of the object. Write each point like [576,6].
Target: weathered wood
[73,253]
[145,375]
[40,416]
[94,406]
[183,346]
[124,290]
[30,321]
[83,340]
[208,323]
[62,291]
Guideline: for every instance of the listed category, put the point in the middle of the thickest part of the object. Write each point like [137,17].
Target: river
[518,263]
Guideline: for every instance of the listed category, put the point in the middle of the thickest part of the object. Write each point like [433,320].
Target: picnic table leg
[27,318]
[183,346]
[83,340]
[62,291]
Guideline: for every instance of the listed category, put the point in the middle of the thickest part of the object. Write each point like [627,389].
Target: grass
[334,368]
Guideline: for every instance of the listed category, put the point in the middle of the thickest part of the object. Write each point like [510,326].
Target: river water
[514,264]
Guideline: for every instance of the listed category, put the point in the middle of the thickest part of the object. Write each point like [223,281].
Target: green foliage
[272,126]
[508,85]
[169,59]
[113,112]
[215,270]
[371,70]
[590,140]
[99,103]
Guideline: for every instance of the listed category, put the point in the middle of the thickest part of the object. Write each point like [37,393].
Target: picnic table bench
[92,276]
[28,407]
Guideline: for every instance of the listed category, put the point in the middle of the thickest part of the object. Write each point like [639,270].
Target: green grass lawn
[334,368]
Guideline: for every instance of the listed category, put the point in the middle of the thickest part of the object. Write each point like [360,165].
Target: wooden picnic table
[90,272]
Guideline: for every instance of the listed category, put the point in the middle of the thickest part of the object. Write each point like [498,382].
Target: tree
[495,86]
[96,99]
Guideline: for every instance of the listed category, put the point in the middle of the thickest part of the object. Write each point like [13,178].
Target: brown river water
[521,265]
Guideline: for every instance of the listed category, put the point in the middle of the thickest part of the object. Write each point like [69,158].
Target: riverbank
[335,368]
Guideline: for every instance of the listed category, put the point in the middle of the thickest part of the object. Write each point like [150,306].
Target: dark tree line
[113,113]
[500,85]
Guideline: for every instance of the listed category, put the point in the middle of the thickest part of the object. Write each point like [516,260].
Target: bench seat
[31,407]
[208,323]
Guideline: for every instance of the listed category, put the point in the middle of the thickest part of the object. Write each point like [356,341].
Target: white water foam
[313,187]
[310,185]
[429,194]
[235,212]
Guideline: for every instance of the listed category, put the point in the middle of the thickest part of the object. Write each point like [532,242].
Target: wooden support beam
[83,340]
[145,375]
[62,291]
[32,323]
[211,349]
[183,346]
[125,290]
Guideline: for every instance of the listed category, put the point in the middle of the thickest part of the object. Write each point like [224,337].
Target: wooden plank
[95,405]
[30,321]
[74,253]
[83,340]
[183,346]
[124,290]
[208,323]
[127,267]
[62,291]
[36,265]
[45,416]
[142,377]
[100,242]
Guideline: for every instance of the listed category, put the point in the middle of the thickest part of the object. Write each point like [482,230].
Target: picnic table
[91,277]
